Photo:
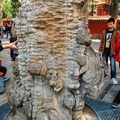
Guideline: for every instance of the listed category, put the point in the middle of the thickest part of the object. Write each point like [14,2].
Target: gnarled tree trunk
[1,30]
[56,65]
[114,9]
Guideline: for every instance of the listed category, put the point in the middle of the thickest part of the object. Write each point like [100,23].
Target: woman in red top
[117,50]
[117,58]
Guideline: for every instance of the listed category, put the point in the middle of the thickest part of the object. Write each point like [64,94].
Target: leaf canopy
[10,8]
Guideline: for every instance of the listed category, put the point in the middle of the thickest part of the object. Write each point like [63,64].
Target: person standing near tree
[117,51]
[107,47]
[8,29]
[116,101]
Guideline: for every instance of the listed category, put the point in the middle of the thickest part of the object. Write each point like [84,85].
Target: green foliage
[10,7]
[15,5]
[92,6]
[6,8]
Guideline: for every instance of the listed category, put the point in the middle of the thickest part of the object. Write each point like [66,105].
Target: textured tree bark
[114,9]
[56,66]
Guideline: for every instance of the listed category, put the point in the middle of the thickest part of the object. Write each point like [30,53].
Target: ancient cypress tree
[114,9]
[1,31]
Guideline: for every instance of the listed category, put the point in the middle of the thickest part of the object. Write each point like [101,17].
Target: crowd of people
[13,49]
[7,30]
[3,69]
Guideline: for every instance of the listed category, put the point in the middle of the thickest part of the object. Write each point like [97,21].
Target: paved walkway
[107,95]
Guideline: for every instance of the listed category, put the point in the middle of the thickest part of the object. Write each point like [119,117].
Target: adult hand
[11,46]
[100,53]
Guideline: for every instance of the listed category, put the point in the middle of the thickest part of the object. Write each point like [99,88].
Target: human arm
[101,43]
[11,46]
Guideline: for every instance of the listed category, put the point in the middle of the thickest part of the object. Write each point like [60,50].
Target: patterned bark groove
[56,65]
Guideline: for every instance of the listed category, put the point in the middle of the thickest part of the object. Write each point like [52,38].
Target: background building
[99,13]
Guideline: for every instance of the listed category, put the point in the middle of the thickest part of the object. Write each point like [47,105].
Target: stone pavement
[108,94]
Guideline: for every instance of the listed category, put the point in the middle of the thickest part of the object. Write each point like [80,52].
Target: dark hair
[111,20]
